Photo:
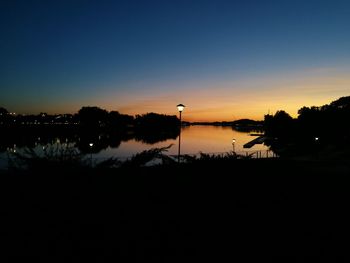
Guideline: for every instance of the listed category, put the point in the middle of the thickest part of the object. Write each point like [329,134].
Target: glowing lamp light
[91,144]
[180,107]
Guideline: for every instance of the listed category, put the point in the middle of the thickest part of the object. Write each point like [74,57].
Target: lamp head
[180,107]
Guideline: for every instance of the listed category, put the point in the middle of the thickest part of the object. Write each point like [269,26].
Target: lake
[194,140]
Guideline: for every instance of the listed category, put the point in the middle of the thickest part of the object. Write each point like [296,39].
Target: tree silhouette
[117,121]
[330,121]
[3,111]
[280,125]
[152,121]
[316,128]
[341,103]
[93,117]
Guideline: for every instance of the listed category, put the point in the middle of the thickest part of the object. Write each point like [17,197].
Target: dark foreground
[279,211]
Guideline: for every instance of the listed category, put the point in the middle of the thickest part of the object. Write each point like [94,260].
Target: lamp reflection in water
[233,144]
[180,108]
[91,145]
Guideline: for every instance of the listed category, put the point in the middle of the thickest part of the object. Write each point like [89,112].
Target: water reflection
[215,139]
[31,138]
[194,139]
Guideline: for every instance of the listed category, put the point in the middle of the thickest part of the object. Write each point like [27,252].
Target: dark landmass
[233,210]
[323,129]
[90,119]
[287,209]
[237,123]
[90,125]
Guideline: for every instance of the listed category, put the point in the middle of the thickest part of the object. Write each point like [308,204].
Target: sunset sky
[224,60]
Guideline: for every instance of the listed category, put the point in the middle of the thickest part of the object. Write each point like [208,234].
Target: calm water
[194,139]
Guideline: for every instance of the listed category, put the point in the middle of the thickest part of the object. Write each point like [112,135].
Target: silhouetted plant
[144,157]
[186,158]
[58,156]
[3,111]
[108,163]
[207,158]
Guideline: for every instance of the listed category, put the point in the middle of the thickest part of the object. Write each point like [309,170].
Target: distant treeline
[327,126]
[92,118]
[90,125]
[242,123]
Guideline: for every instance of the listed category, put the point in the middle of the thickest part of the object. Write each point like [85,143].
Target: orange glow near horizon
[225,101]
[247,99]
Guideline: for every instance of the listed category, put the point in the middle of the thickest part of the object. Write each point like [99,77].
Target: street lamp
[180,108]
[233,144]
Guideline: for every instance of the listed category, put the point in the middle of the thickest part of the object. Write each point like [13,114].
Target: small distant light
[91,144]
[316,138]
[233,140]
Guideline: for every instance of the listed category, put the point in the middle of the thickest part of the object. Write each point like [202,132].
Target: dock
[258,140]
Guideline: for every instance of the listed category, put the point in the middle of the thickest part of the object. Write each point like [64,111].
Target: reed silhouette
[214,208]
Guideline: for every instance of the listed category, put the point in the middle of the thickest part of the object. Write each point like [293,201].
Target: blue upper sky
[140,56]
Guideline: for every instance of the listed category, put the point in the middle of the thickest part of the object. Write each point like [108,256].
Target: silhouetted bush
[145,157]
[52,157]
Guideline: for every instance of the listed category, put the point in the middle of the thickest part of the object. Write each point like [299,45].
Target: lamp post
[180,108]
[233,144]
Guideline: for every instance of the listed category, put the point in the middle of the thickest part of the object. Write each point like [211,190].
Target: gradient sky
[224,60]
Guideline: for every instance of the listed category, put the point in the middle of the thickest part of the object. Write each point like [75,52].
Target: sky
[224,60]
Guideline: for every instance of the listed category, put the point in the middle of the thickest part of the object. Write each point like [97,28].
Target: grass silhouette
[209,207]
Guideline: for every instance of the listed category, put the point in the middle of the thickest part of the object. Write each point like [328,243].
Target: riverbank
[279,210]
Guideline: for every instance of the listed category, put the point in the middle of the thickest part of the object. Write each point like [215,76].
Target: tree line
[89,125]
[93,118]
[316,127]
